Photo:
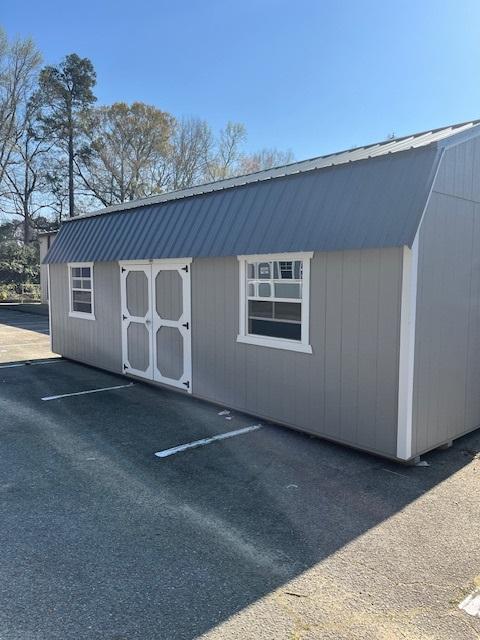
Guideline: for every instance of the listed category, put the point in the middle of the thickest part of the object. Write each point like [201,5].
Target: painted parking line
[31,364]
[82,393]
[204,441]
[21,344]
[20,325]
[16,330]
[471,604]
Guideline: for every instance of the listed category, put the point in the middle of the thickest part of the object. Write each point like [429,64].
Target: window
[274,301]
[81,290]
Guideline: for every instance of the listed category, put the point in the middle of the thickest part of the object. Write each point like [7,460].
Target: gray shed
[339,296]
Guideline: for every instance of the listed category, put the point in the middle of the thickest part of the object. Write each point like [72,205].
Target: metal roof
[366,197]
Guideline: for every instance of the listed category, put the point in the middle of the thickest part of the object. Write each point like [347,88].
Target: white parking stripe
[471,604]
[31,364]
[24,324]
[200,443]
[81,393]
[21,344]
[16,330]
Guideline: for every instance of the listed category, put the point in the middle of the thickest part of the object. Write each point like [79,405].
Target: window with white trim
[274,300]
[81,290]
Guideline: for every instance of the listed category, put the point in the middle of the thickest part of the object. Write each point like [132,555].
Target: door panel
[138,346]
[169,294]
[170,352]
[171,324]
[136,294]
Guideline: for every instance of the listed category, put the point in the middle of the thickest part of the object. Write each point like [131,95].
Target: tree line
[62,155]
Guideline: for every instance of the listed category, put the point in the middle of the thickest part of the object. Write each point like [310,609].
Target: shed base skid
[255,416]
[272,421]
[446,445]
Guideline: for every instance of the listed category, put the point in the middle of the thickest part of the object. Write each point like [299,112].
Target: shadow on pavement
[103,540]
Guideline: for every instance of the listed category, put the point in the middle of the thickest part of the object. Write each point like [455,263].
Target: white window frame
[302,345]
[80,314]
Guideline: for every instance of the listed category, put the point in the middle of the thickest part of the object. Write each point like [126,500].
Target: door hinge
[124,317]
[186,325]
[125,366]
[185,268]
[187,384]
[123,269]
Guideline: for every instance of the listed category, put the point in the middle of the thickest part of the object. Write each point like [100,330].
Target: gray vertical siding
[347,389]
[446,401]
[97,342]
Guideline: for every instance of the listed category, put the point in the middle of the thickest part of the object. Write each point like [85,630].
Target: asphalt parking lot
[269,534]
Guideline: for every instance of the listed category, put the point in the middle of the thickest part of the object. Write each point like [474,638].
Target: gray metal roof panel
[362,204]
[441,136]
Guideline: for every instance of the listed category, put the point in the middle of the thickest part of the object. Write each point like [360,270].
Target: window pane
[251,271]
[298,270]
[86,283]
[83,307]
[251,290]
[286,270]
[264,290]
[76,272]
[288,330]
[287,290]
[77,283]
[288,311]
[82,296]
[264,270]
[260,309]
[85,272]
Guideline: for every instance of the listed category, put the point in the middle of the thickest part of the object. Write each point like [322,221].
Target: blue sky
[312,76]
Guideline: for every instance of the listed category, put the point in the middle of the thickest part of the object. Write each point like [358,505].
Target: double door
[156,322]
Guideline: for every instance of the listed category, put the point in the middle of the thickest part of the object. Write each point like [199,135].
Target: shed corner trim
[407,351]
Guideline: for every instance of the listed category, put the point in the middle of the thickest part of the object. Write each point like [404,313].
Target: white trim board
[153,261]
[407,336]
[407,351]
[49,302]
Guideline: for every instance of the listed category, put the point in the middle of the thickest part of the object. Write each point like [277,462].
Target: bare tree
[19,63]
[125,153]
[265,159]
[26,186]
[227,156]
[190,150]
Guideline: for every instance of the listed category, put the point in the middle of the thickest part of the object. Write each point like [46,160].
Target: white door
[172,352]
[156,322]
[136,295]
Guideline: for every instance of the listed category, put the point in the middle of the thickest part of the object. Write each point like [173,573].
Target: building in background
[45,240]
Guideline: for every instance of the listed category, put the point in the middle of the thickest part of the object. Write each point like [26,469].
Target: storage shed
[339,296]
